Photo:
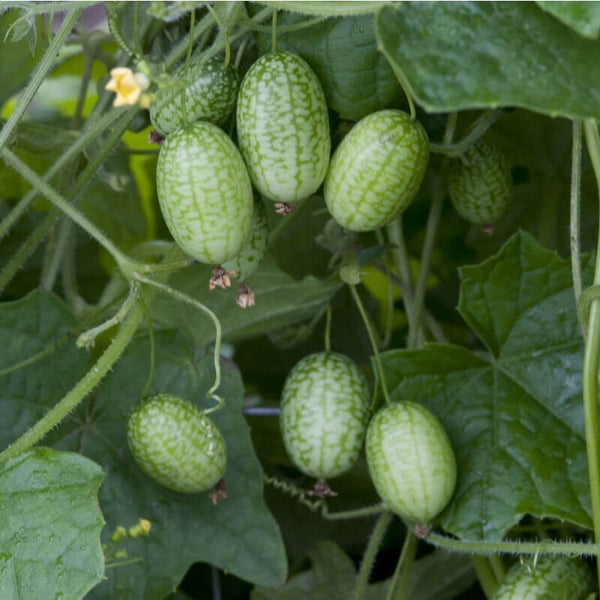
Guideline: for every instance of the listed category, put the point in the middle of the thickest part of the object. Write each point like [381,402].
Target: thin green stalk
[575,216]
[41,72]
[591,358]
[328,329]
[498,567]
[152,350]
[86,76]
[180,50]
[400,254]
[56,254]
[513,547]
[223,33]
[274,32]
[357,513]
[399,586]
[485,576]
[370,554]
[73,151]
[370,332]
[211,393]
[248,24]
[483,123]
[405,85]
[433,221]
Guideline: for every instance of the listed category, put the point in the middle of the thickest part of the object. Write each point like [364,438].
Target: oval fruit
[283,127]
[411,461]
[207,92]
[480,187]
[376,171]
[551,578]
[204,192]
[176,444]
[243,264]
[324,412]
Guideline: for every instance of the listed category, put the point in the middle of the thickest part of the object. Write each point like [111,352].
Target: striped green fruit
[176,444]
[207,92]
[480,185]
[243,264]
[283,127]
[550,578]
[411,461]
[376,171]
[204,192]
[324,412]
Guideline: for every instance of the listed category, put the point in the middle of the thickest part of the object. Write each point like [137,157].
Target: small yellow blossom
[127,85]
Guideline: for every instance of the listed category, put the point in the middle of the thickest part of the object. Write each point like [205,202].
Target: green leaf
[356,78]
[583,17]
[328,9]
[51,522]
[238,535]
[515,417]
[280,301]
[489,54]
[37,327]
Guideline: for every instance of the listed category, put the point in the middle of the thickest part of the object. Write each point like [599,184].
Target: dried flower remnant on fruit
[220,278]
[155,138]
[219,494]
[245,297]
[283,208]
[321,489]
[128,87]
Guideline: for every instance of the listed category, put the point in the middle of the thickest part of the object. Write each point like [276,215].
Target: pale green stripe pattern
[176,444]
[324,412]
[481,186]
[204,193]
[411,461]
[283,127]
[376,171]
[243,264]
[207,92]
[551,578]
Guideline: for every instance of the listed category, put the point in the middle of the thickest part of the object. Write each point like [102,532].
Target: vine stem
[433,221]
[516,547]
[575,213]
[40,73]
[370,332]
[370,554]
[328,329]
[399,586]
[218,333]
[482,124]
[591,358]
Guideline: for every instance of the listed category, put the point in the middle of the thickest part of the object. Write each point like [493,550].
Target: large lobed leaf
[462,55]
[514,416]
[47,551]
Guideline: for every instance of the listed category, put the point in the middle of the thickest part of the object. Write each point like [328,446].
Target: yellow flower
[127,85]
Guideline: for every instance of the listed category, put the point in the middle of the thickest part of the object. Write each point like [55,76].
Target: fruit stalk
[591,358]
[575,214]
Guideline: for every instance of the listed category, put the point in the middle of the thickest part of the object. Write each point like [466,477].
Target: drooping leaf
[185,528]
[51,522]
[356,78]
[583,17]
[489,54]
[280,301]
[514,416]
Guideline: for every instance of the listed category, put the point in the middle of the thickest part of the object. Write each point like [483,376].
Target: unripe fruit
[283,127]
[411,461]
[551,578]
[204,192]
[176,444]
[376,171]
[324,412]
[480,186]
[208,92]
